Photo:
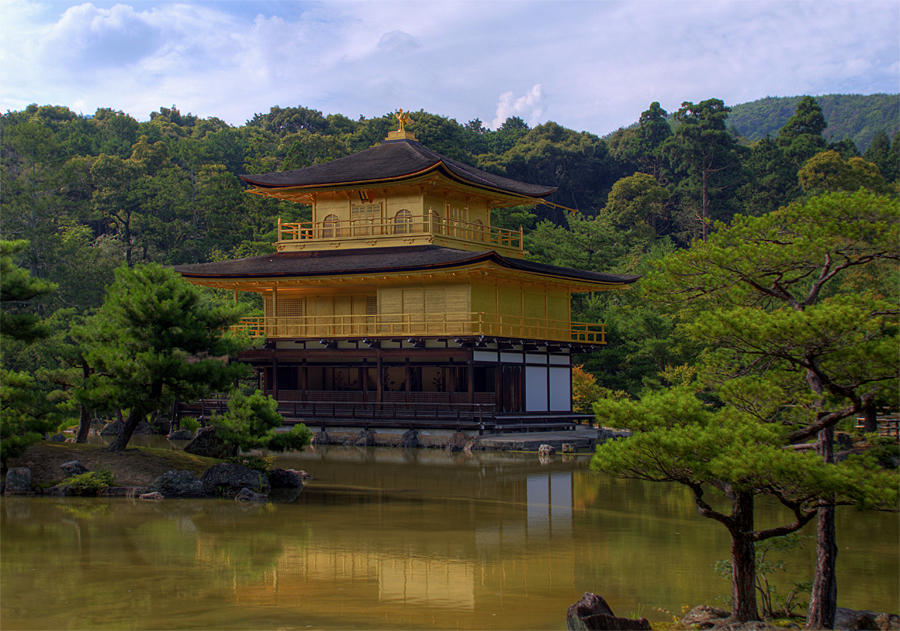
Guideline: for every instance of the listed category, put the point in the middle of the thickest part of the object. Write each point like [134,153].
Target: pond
[387,538]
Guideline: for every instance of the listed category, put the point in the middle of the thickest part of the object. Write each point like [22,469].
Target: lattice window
[330,227]
[403,222]
[363,217]
[287,307]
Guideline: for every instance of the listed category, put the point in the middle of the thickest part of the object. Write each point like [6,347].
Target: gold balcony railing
[382,229]
[422,325]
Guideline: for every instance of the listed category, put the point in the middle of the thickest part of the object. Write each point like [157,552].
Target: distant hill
[852,116]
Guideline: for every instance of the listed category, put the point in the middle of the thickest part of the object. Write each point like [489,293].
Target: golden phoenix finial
[403,118]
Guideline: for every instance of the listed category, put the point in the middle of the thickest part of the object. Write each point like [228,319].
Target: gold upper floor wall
[432,211]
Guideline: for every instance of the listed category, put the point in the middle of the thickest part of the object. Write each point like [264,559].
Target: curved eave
[412,178]
[488,263]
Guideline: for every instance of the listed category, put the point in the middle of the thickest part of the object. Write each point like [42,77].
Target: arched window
[330,227]
[403,222]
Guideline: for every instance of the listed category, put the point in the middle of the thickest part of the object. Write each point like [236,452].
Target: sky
[588,65]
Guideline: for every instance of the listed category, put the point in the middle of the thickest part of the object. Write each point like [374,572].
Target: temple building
[400,304]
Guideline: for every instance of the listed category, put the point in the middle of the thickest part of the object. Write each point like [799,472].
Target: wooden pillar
[362,377]
[304,380]
[471,369]
[275,309]
[408,374]
[378,379]
[274,377]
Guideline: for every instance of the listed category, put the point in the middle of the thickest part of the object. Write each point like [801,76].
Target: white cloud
[602,62]
[529,107]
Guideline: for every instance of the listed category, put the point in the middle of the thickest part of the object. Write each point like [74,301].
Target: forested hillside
[85,195]
[852,116]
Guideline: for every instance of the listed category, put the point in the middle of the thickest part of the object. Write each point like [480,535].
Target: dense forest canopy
[90,193]
[849,116]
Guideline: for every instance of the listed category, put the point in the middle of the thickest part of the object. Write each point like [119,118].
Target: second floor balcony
[402,229]
[465,324]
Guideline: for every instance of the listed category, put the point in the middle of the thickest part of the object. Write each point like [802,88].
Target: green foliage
[251,461]
[708,160]
[251,423]
[828,172]
[882,449]
[18,288]
[89,483]
[157,338]
[25,412]
[789,354]
[190,424]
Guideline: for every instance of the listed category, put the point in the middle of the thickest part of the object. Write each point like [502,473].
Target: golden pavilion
[399,305]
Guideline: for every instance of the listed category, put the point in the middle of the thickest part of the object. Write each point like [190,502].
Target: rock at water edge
[592,613]
[410,439]
[207,443]
[177,484]
[18,481]
[227,480]
[246,495]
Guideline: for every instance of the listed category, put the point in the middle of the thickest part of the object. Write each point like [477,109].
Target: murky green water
[389,539]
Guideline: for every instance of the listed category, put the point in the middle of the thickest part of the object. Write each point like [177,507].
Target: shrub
[189,423]
[90,483]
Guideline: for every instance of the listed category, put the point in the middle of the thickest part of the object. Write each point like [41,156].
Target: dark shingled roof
[421,258]
[390,161]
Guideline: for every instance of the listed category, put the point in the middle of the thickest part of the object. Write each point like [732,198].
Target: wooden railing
[459,416]
[394,228]
[436,324]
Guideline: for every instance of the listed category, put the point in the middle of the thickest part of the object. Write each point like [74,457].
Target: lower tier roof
[404,259]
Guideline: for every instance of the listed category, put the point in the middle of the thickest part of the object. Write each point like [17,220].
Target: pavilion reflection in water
[475,547]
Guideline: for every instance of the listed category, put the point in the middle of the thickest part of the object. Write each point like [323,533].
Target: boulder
[73,468]
[58,438]
[457,442]
[365,438]
[592,613]
[227,480]
[322,438]
[546,450]
[704,617]
[246,495]
[410,439]
[181,434]
[285,479]
[177,484]
[207,443]
[112,429]
[18,481]
[144,429]
[851,619]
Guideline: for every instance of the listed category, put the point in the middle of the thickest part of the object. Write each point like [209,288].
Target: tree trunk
[84,419]
[84,425]
[823,600]
[743,560]
[135,416]
[871,425]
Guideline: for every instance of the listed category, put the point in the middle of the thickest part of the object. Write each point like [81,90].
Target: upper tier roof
[391,161]
[380,261]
